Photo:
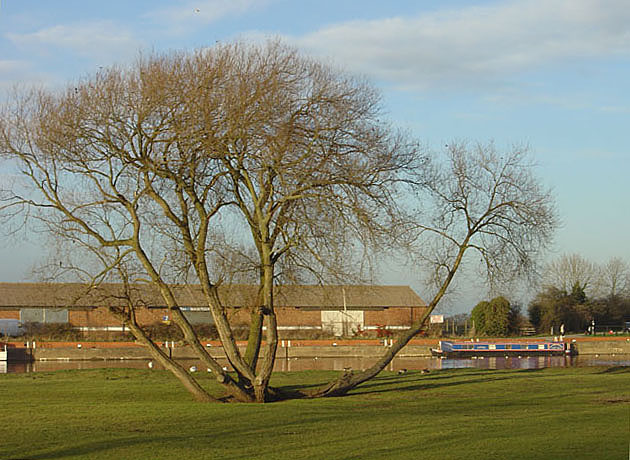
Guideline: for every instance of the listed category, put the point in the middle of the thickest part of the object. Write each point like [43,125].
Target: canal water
[301,364]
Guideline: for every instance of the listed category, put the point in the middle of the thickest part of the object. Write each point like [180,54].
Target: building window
[44,315]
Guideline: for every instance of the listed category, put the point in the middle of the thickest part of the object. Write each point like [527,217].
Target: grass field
[558,413]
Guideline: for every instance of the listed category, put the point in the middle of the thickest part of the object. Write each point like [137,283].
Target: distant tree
[498,319]
[478,316]
[495,318]
[614,278]
[606,310]
[577,296]
[596,293]
[569,271]
[553,307]
[459,318]
[535,314]
[515,319]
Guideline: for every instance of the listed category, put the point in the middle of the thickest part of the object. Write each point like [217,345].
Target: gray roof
[75,295]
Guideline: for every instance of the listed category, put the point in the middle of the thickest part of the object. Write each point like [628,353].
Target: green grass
[569,413]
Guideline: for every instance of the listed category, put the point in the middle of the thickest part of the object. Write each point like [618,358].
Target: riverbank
[42,351]
[576,413]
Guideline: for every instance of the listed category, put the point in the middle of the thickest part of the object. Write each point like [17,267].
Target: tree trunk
[261,383]
[180,373]
[254,339]
[349,380]
[224,329]
[232,387]
[190,336]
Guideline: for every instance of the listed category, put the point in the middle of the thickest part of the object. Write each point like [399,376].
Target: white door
[342,323]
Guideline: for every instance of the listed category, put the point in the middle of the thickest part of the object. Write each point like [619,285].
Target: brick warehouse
[338,309]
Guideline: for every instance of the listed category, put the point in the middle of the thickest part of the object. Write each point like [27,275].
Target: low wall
[184,352]
[128,350]
[603,347]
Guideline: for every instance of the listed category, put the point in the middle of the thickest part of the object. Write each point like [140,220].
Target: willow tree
[157,165]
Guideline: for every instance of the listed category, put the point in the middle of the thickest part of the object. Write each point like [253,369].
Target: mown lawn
[569,413]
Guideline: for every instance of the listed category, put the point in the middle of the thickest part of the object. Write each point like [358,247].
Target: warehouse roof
[76,295]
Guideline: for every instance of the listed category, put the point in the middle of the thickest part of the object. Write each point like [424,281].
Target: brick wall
[100,317]
[96,317]
[295,317]
[392,316]
[147,316]
[9,314]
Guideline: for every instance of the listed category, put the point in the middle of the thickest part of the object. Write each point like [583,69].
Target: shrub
[51,332]
[162,331]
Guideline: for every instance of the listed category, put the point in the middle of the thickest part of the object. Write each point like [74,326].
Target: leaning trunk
[349,380]
[189,334]
[178,371]
[232,387]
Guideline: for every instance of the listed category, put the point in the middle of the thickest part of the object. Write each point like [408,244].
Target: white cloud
[476,45]
[197,12]
[101,39]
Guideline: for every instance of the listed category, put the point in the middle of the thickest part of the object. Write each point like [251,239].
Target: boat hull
[453,349]
[497,354]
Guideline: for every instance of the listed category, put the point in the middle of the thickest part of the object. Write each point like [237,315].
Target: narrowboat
[3,354]
[462,349]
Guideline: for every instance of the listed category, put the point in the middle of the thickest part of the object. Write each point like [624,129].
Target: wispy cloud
[615,109]
[9,66]
[476,45]
[202,12]
[102,39]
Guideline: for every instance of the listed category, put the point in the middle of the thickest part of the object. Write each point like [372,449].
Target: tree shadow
[89,448]
[410,381]
[418,381]
[616,370]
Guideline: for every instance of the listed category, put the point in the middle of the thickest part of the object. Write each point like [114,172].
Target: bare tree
[312,169]
[110,168]
[246,160]
[569,271]
[182,163]
[614,278]
[473,200]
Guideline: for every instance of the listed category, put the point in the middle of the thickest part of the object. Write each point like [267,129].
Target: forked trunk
[233,388]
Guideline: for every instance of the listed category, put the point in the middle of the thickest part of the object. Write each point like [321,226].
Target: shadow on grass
[440,380]
[616,370]
[419,383]
[85,450]
[413,381]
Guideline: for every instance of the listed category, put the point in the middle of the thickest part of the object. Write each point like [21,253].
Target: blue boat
[462,349]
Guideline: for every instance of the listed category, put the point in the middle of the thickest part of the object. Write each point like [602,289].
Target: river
[301,364]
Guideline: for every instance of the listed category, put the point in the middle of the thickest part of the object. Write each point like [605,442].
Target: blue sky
[551,73]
